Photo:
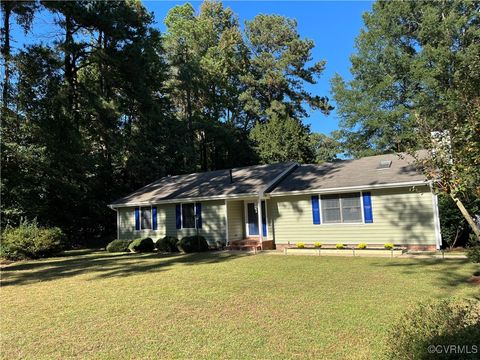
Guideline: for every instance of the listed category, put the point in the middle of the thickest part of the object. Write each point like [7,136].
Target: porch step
[245,244]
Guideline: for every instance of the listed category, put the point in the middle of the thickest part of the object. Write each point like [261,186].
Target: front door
[252,219]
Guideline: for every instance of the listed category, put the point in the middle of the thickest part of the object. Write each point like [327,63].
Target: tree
[24,12]
[415,74]
[91,119]
[282,138]
[324,147]
[278,70]
[205,53]
[221,76]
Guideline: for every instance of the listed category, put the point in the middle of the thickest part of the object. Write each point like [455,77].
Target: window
[344,208]
[146,217]
[188,216]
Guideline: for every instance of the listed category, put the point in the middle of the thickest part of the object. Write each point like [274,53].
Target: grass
[216,305]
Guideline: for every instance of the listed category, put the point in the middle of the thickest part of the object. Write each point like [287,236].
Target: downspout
[436,218]
[118,220]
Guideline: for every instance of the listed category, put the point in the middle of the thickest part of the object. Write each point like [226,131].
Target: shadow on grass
[104,264]
[445,273]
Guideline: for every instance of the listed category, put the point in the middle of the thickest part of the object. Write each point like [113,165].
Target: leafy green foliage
[282,138]
[445,322]
[195,243]
[362,246]
[317,244]
[141,245]
[454,228]
[167,244]
[473,254]
[339,246]
[300,245]
[118,245]
[388,246]
[29,241]
[324,148]
[89,118]
[413,88]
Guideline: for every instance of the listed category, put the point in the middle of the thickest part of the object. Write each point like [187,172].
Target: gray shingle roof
[246,180]
[350,173]
[254,179]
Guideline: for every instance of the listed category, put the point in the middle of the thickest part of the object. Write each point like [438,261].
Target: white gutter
[177,200]
[350,188]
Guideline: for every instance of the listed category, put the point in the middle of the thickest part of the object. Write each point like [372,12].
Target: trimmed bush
[388,246]
[220,244]
[189,244]
[167,244]
[300,245]
[29,241]
[141,245]
[317,245]
[473,254]
[118,245]
[438,323]
[362,246]
[340,246]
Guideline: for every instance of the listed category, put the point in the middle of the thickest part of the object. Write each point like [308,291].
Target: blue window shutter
[264,219]
[198,214]
[154,218]
[178,216]
[316,209]
[137,218]
[367,207]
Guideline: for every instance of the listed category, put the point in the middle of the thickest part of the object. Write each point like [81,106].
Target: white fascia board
[183,200]
[350,188]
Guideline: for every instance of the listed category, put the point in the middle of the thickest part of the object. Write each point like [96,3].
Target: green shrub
[220,244]
[194,243]
[29,241]
[362,246]
[446,322]
[340,246]
[167,244]
[317,245]
[388,246]
[118,245]
[473,254]
[141,245]
[300,245]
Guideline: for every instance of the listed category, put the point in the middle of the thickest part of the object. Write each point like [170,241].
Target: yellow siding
[269,206]
[213,223]
[400,216]
[127,224]
[236,222]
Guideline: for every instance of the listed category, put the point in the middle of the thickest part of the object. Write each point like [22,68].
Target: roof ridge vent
[384,164]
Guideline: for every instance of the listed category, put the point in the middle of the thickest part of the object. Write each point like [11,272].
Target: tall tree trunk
[467,216]
[70,70]
[7,11]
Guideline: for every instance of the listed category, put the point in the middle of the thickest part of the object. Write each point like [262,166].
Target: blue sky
[332,25]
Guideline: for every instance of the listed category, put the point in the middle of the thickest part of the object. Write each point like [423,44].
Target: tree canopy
[416,85]
[111,104]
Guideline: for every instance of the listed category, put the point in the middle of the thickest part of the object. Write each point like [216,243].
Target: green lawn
[217,305]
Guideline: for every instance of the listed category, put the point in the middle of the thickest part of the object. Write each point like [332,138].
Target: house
[373,200]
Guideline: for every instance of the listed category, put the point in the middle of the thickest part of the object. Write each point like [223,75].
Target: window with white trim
[188,216]
[341,208]
[146,218]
